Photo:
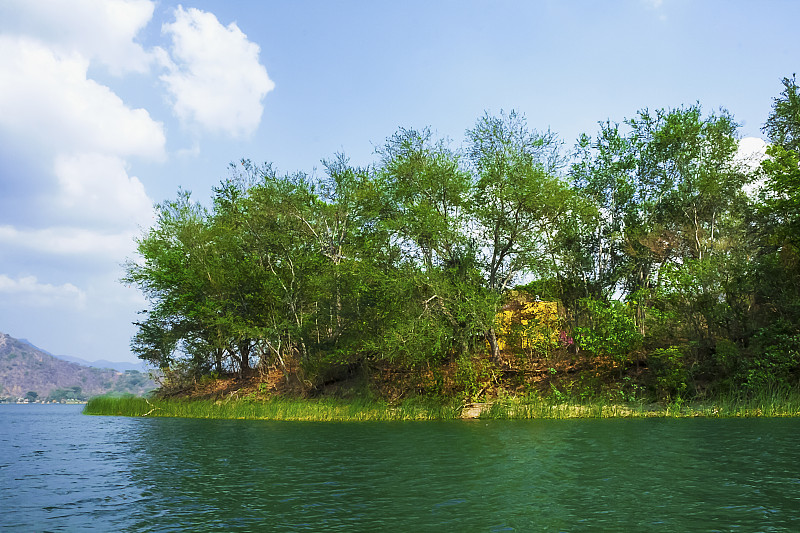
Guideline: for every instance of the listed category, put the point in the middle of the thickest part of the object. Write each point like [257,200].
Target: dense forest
[673,264]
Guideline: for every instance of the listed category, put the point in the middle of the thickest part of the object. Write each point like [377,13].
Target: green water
[62,471]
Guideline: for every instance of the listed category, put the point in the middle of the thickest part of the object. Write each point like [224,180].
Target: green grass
[769,404]
[275,409]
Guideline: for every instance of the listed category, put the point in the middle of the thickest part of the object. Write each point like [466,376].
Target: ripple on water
[62,471]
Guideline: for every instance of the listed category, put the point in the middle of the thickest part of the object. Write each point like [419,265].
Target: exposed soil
[483,381]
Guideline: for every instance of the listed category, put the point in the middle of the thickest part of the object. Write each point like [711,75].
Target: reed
[275,409]
[536,407]
[767,404]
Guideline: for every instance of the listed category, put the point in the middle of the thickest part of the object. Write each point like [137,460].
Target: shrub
[669,371]
[611,332]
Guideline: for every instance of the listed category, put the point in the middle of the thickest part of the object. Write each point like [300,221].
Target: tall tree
[777,275]
[428,192]
[670,198]
[783,124]
[782,169]
[517,194]
[173,277]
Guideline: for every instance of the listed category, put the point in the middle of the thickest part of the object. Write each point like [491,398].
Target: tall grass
[275,409]
[768,404]
[537,407]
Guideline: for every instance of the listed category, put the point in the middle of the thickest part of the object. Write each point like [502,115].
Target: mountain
[119,366]
[25,368]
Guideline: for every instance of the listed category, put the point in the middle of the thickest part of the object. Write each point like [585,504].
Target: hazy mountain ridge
[24,368]
[119,366]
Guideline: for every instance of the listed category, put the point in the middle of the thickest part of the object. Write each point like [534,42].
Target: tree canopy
[645,234]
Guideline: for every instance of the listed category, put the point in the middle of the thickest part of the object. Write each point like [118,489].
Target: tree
[604,175]
[774,350]
[783,124]
[781,198]
[666,191]
[426,211]
[426,194]
[172,277]
[517,195]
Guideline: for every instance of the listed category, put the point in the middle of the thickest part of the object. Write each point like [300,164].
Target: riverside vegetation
[648,266]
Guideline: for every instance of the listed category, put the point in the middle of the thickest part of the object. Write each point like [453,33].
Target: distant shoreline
[76,402]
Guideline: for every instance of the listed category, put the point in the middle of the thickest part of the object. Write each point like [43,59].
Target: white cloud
[215,80]
[71,205]
[46,97]
[96,188]
[99,30]
[751,152]
[71,241]
[29,291]
[84,131]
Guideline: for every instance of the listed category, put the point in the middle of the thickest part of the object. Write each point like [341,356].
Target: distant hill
[25,368]
[100,363]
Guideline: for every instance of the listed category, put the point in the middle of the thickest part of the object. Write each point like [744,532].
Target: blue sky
[108,106]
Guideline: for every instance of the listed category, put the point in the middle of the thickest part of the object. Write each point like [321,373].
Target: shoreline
[329,410]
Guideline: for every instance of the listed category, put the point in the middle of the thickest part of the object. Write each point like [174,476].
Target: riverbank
[337,410]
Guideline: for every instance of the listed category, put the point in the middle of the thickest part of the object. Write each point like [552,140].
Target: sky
[108,107]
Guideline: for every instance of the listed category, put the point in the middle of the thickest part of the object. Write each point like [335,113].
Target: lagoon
[64,471]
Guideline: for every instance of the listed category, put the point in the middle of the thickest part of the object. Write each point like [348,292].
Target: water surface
[63,471]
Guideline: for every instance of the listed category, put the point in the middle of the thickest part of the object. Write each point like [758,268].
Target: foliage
[774,360]
[528,326]
[276,409]
[611,330]
[69,393]
[669,370]
[783,125]
[651,242]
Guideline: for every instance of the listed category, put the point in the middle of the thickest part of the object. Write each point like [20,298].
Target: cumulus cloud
[46,96]
[42,294]
[96,188]
[70,203]
[103,31]
[85,130]
[215,79]
[70,241]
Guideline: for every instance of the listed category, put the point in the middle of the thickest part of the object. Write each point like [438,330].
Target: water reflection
[72,472]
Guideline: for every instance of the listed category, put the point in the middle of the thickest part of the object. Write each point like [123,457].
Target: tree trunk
[492,338]
[244,355]
[218,360]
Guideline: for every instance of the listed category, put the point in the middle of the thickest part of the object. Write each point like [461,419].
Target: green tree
[781,196]
[772,357]
[603,175]
[783,124]
[667,191]
[170,278]
[427,197]
[517,195]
